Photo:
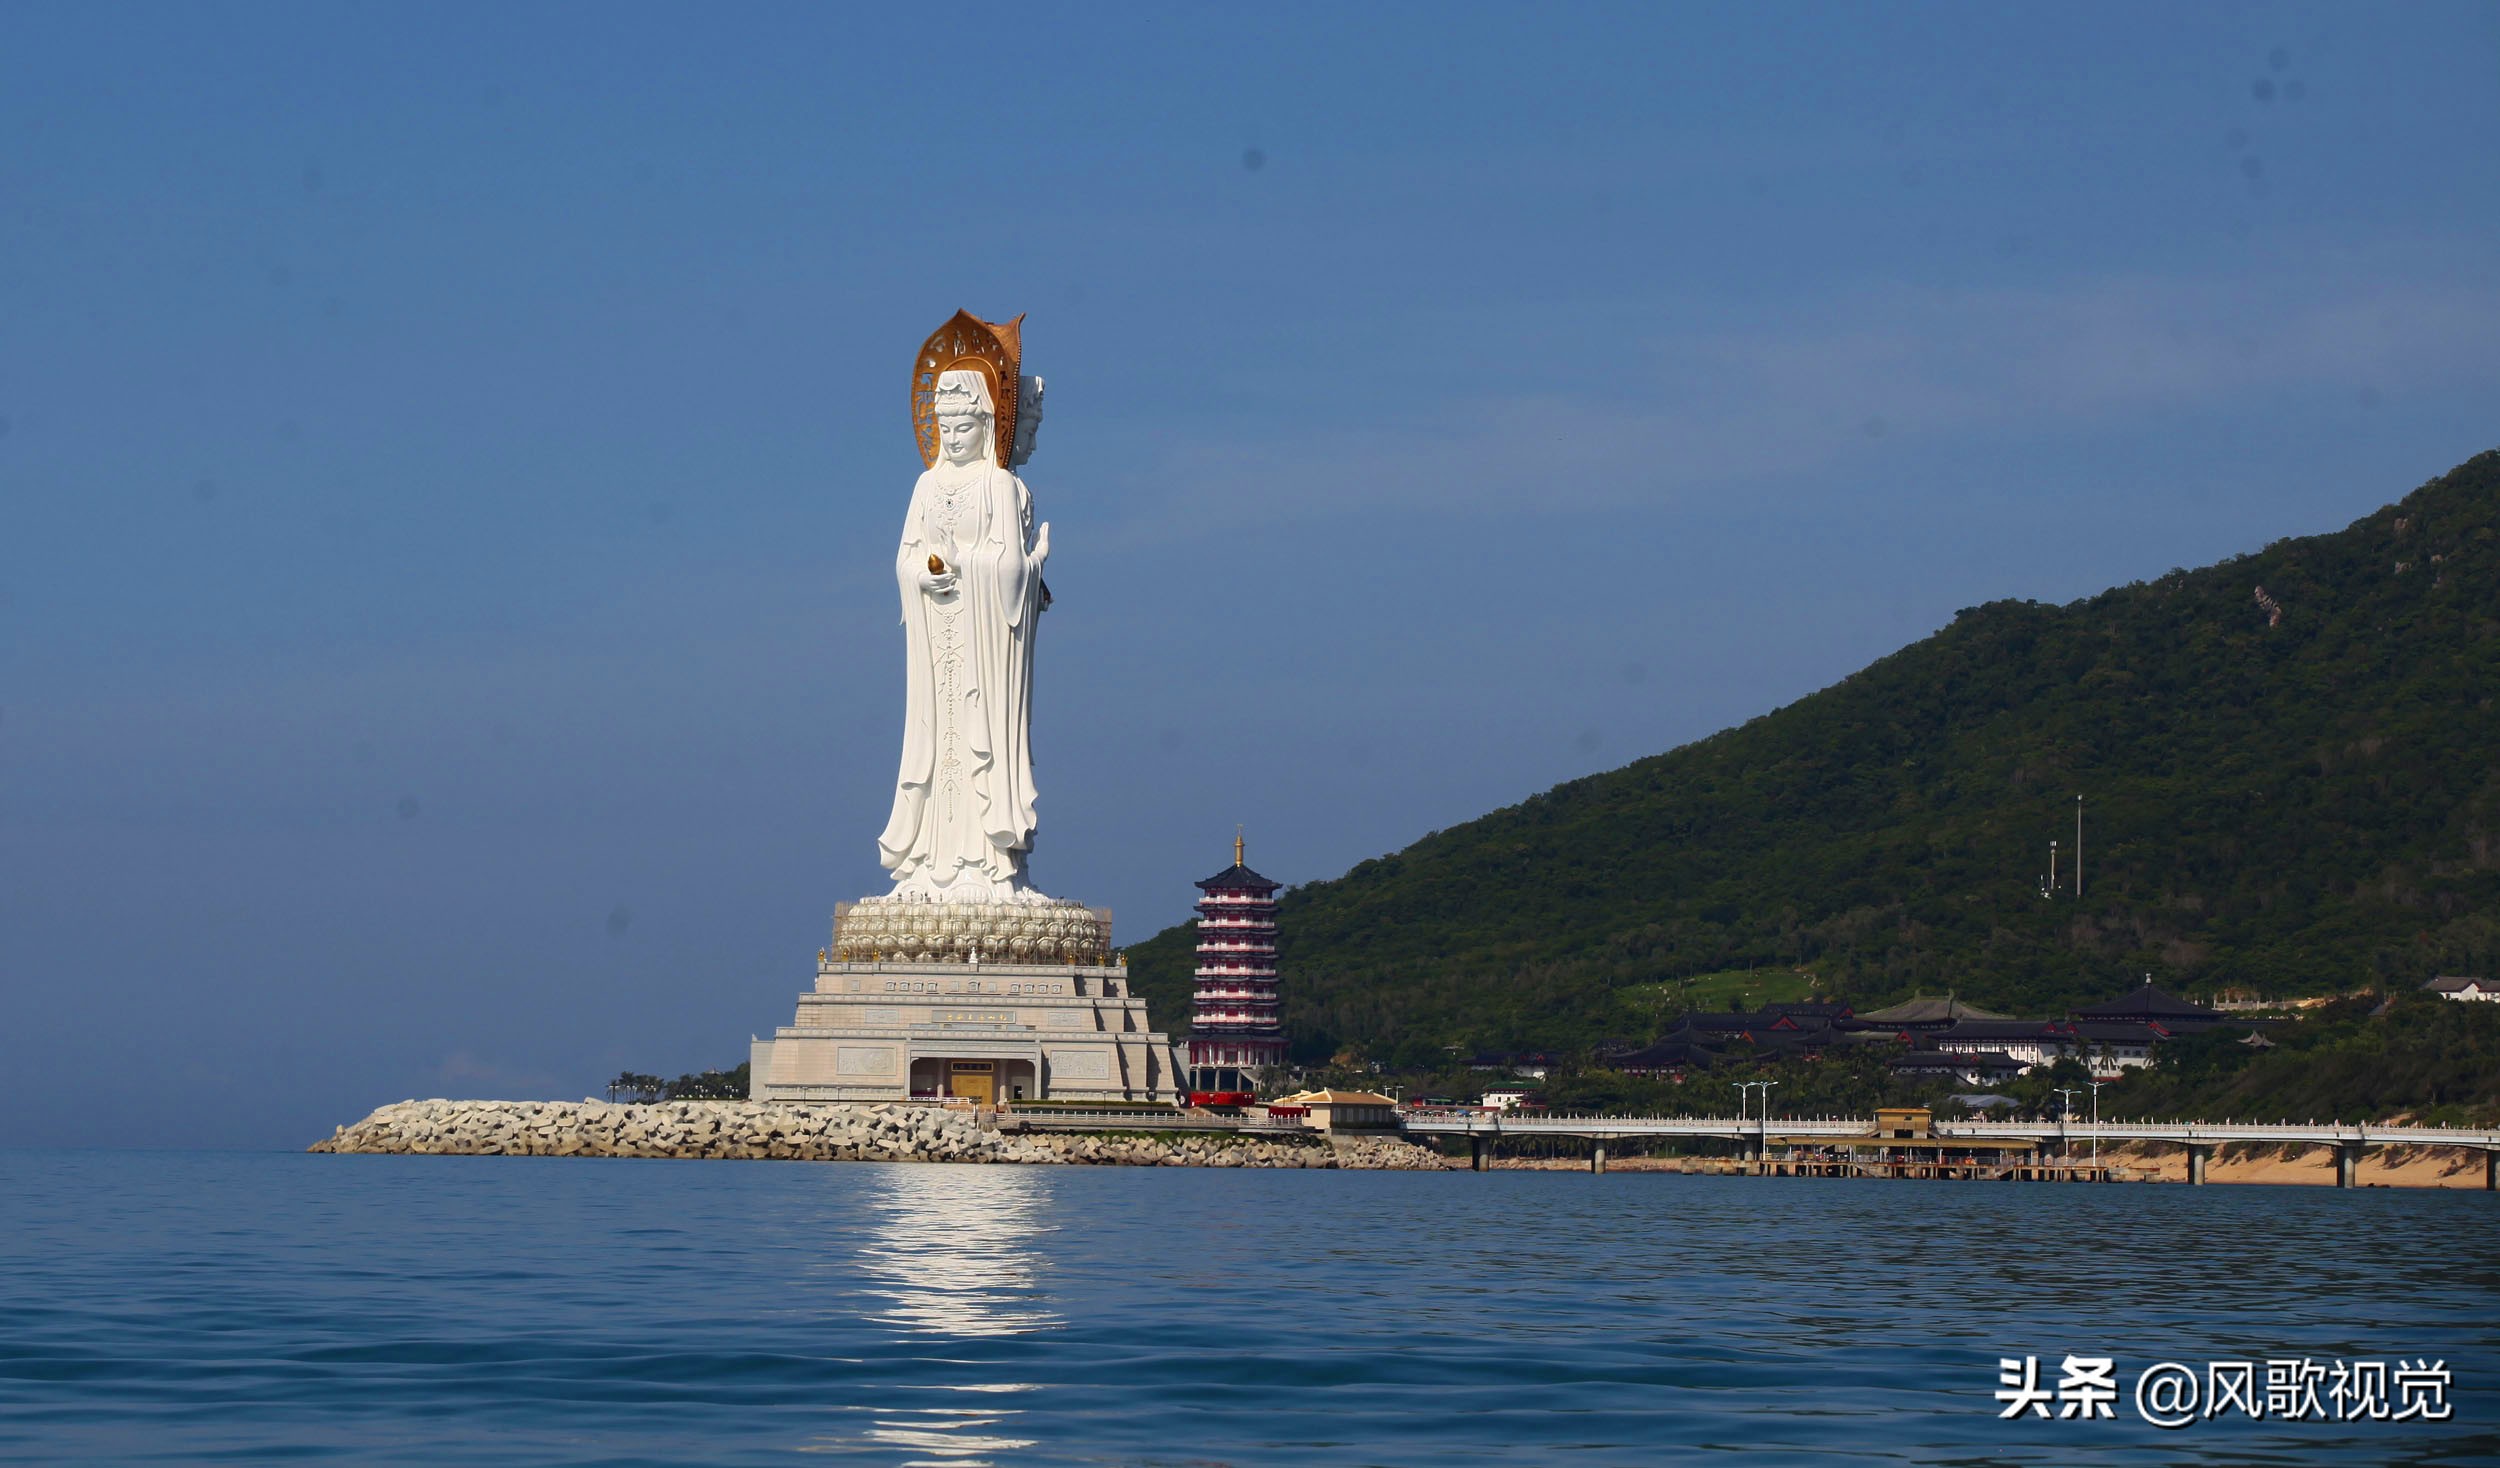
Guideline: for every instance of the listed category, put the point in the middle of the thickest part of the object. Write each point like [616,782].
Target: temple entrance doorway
[974,1080]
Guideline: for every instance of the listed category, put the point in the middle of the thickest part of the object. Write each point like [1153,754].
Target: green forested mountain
[2291,769]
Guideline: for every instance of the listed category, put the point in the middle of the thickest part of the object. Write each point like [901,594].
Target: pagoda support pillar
[1597,1155]
[2347,1164]
[2197,1153]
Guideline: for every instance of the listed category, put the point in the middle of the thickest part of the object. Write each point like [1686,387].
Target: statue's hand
[937,583]
[1041,545]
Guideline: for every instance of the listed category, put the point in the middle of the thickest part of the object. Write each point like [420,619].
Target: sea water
[189,1307]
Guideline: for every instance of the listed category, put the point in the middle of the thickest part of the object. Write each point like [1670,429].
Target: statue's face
[959,437]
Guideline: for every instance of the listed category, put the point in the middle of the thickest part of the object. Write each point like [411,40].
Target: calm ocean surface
[183,1307]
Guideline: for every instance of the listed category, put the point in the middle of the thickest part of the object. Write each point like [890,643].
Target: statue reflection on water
[950,1253]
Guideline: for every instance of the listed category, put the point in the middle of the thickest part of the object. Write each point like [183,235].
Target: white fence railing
[1495,1124]
[1134,1121]
[2316,1133]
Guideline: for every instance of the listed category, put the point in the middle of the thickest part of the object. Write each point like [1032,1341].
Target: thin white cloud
[1729,402]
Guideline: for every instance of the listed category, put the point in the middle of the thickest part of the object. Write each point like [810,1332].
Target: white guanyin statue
[970,572]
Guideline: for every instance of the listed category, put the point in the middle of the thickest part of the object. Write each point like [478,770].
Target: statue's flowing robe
[963,800]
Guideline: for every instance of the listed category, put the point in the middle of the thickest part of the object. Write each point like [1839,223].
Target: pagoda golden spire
[1237,846]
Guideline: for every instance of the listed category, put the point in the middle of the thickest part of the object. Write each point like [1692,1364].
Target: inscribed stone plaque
[863,1060]
[1080,1065]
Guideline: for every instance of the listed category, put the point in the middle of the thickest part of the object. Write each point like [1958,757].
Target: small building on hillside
[2029,1041]
[1342,1111]
[2106,1047]
[1971,1068]
[2110,1047]
[2467,989]
[1530,1063]
[1984,1103]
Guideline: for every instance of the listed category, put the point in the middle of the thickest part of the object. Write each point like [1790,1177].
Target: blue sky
[450,457]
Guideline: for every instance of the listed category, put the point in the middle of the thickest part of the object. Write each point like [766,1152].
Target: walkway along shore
[747,1130]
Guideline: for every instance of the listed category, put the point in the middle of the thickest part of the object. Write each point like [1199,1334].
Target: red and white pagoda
[1235,1033]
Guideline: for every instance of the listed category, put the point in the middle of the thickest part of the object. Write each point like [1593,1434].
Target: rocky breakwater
[1218,1149]
[746,1130]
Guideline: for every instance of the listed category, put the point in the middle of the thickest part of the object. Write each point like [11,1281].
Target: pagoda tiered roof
[1238,878]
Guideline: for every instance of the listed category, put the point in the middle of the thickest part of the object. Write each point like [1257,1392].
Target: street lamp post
[2065,1118]
[1764,1122]
[2096,1125]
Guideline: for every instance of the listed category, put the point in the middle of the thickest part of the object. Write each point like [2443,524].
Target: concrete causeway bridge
[1904,1132]
[1757,1135]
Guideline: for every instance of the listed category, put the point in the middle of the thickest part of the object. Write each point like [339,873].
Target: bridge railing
[1056,1119]
[2318,1133]
[2230,1131]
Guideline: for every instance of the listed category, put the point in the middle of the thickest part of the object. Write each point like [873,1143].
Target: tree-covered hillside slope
[2291,771]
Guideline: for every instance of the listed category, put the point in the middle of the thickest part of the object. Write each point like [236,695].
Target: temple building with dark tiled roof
[1699,1039]
[1830,1011]
[1943,1036]
[2145,1004]
[1667,1058]
[1927,1014]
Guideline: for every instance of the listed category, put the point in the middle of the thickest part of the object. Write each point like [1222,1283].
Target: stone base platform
[987,1033]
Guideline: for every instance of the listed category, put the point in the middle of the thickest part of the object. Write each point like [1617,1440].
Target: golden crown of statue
[966,343]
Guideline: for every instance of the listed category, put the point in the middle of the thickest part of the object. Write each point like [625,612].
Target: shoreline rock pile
[881,1132]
